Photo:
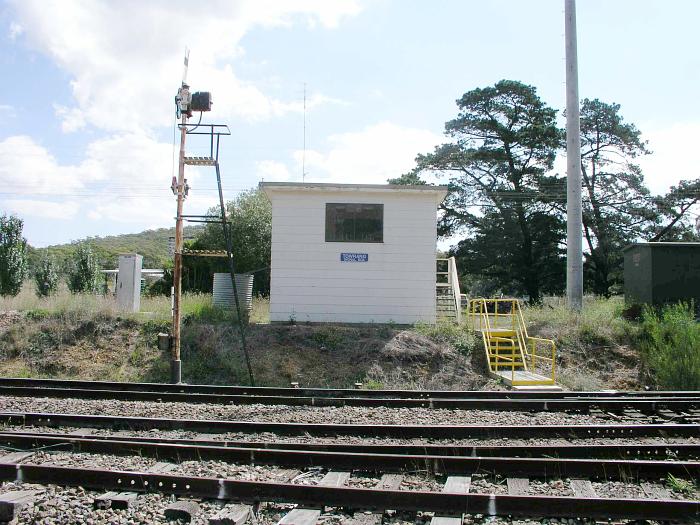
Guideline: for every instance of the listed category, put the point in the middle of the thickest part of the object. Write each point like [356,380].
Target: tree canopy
[508,208]
[13,255]
[503,143]
[617,208]
[250,220]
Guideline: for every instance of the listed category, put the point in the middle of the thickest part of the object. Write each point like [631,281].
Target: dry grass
[600,322]
[595,347]
[87,336]
[156,308]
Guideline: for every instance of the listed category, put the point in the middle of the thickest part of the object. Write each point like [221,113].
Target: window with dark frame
[349,222]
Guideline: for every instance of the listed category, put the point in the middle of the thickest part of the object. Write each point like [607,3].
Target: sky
[87,142]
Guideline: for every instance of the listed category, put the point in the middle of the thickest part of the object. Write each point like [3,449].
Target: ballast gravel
[295,414]
[230,438]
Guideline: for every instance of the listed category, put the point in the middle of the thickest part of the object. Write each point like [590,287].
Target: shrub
[46,277]
[329,337]
[83,271]
[13,255]
[670,346]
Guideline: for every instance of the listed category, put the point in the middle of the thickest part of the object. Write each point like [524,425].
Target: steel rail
[339,429]
[644,405]
[609,469]
[618,451]
[335,392]
[355,498]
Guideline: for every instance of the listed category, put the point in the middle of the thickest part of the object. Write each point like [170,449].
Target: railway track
[685,404]
[359,430]
[581,465]
[621,471]
[582,504]
[84,440]
[368,458]
[332,392]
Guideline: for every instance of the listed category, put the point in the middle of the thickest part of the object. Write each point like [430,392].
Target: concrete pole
[176,363]
[574,221]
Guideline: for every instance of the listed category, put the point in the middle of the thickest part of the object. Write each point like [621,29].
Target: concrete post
[574,221]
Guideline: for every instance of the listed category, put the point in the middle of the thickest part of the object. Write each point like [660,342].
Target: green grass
[683,486]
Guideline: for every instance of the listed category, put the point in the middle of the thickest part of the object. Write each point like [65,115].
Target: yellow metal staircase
[512,355]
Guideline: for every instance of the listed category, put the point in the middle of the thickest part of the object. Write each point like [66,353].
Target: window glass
[346,222]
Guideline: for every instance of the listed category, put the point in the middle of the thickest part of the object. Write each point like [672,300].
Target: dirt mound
[408,346]
[110,348]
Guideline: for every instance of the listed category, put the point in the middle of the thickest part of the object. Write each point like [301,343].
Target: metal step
[200,161]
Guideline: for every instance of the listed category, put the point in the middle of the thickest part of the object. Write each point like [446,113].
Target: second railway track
[687,404]
[615,464]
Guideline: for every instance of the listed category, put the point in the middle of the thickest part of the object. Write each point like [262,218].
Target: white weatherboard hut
[353,253]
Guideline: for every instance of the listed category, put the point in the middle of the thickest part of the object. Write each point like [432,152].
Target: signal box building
[353,253]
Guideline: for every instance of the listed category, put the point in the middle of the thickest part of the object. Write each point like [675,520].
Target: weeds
[685,487]
[329,337]
[372,384]
[670,346]
[599,323]
[461,337]
[195,307]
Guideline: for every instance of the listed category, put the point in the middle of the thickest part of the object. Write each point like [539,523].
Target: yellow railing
[538,354]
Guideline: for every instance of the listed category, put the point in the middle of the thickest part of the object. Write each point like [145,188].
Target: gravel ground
[62,506]
[291,414]
[272,438]
[420,482]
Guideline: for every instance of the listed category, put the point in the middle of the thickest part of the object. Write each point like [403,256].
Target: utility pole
[176,363]
[574,219]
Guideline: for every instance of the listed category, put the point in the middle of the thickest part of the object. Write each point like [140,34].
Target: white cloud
[72,119]
[15,31]
[372,155]
[123,178]
[125,57]
[673,156]
[273,171]
[26,168]
[43,208]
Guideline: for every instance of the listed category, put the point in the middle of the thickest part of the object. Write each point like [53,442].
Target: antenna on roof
[186,65]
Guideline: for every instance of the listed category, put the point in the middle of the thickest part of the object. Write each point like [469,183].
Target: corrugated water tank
[662,272]
[223,290]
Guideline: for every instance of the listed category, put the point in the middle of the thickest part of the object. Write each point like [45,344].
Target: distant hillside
[152,244]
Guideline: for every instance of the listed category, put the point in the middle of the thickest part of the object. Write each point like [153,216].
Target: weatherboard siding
[310,283]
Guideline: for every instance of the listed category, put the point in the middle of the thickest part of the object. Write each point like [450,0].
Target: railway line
[686,404]
[633,462]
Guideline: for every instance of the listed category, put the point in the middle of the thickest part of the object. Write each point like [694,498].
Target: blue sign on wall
[354,257]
